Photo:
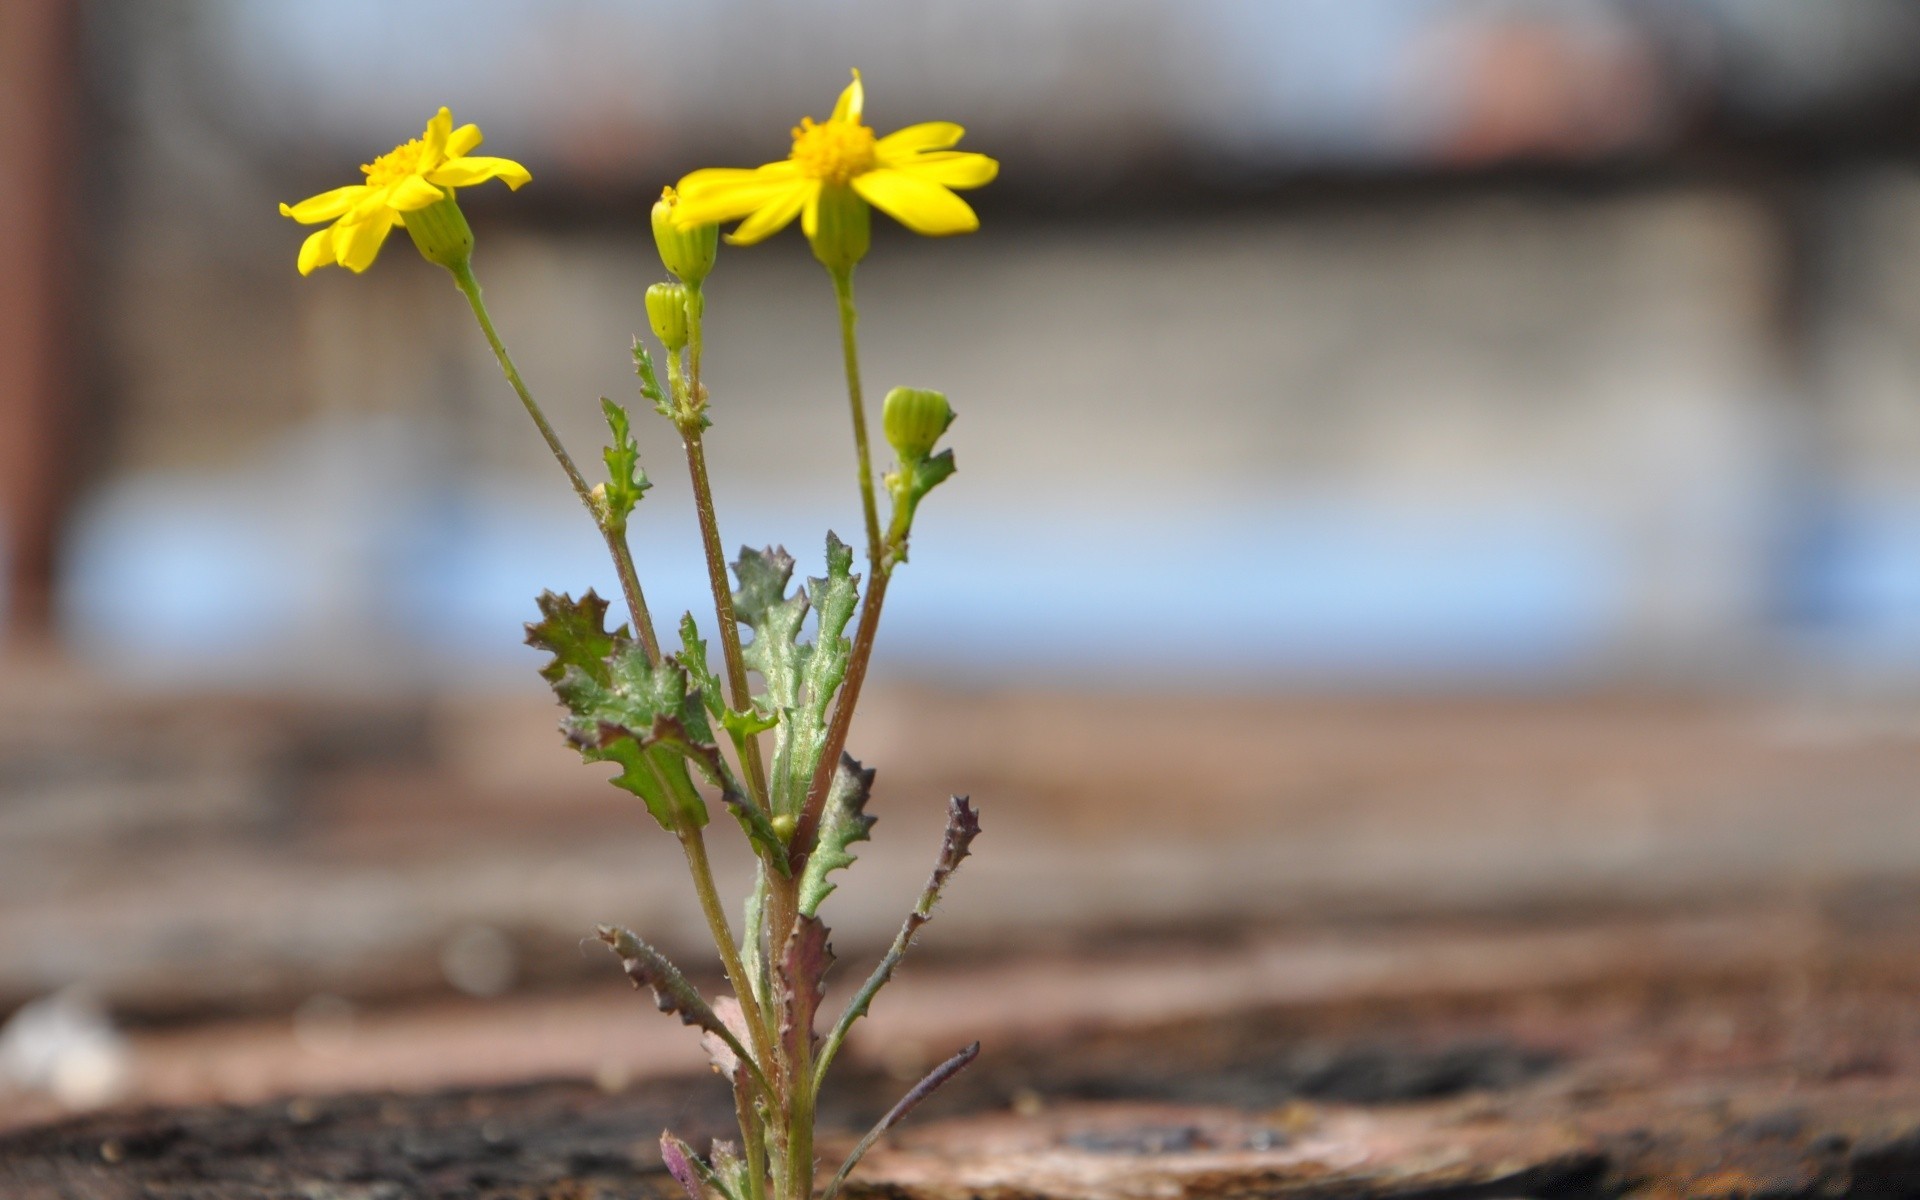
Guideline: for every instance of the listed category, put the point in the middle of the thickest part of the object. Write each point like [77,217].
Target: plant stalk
[616,544]
[850,351]
[695,845]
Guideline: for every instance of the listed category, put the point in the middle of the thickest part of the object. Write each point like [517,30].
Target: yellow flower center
[396,164]
[834,152]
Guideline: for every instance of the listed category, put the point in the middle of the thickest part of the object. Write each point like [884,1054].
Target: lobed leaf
[843,821]
[833,599]
[575,633]
[626,482]
[671,991]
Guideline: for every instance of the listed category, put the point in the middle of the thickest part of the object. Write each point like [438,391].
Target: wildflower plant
[773,753]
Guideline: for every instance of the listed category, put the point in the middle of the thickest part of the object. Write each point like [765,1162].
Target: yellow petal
[435,150]
[922,206]
[775,215]
[465,172]
[721,194]
[317,251]
[413,193]
[326,206]
[928,135]
[461,141]
[810,213]
[950,168]
[356,244]
[848,107]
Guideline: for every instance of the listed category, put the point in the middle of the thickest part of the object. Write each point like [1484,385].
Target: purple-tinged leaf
[680,1164]
[719,1050]
[803,965]
[671,991]
[963,825]
[907,1103]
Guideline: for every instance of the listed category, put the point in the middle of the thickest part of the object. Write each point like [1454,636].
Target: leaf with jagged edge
[575,633]
[963,825]
[803,968]
[739,726]
[671,991]
[650,388]
[693,659]
[761,602]
[833,600]
[843,822]
[626,482]
[625,710]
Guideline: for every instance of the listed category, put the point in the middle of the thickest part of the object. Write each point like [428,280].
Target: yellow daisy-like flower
[909,175]
[410,177]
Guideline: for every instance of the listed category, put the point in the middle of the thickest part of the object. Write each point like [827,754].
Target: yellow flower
[405,179]
[908,175]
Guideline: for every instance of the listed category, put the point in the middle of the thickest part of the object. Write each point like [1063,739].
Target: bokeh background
[1417,457]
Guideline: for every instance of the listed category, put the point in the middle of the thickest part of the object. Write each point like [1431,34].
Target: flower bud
[914,419]
[783,826]
[688,253]
[667,313]
[441,233]
[843,228]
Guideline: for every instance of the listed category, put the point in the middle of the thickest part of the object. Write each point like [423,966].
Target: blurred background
[1460,455]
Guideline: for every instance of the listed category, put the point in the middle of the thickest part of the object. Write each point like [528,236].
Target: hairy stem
[616,544]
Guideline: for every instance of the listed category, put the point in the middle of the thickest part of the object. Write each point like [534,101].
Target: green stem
[723,604]
[690,403]
[850,351]
[695,845]
[616,543]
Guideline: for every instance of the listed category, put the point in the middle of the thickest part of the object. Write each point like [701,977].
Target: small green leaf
[626,482]
[843,822]
[693,658]
[650,389]
[575,633]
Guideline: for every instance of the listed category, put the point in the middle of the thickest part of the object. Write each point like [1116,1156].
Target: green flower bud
[441,233]
[688,253]
[844,228]
[783,826]
[914,419]
[667,313]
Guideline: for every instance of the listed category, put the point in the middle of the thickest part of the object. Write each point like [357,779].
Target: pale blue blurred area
[187,578]
[1421,435]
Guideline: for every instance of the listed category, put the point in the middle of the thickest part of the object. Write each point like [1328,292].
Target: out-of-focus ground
[339,894]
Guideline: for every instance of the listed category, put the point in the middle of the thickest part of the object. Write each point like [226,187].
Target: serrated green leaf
[761,602]
[843,822]
[626,482]
[693,658]
[575,633]
[625,710]
[762,577]
[650,389]
[833,600]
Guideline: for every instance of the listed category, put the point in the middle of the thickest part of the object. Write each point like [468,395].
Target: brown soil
[1668,1083]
